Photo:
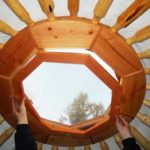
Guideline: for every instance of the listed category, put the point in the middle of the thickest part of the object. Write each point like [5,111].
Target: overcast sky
[53,86]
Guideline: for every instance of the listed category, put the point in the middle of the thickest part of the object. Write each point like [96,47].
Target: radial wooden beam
[5,135]
[137,8]
[146,102]
[71,148]
[144,118]
[39,146]
[145,54]
[87,147]
[148,86]
[19,10]
[147,71]
[104,145]
[141,35]
[54,147]
[48,8]
[5,28]
[1,45]
[73,7]
[118,141]
[1,119]
[100,10]
[140,138]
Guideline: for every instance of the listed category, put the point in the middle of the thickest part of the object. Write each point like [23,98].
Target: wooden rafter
[54,147]
[145,54]
[140,138]
[5,28]
[147,71]
[39,146]
[20,11]
[1,119]
[144,118]
[104,145]
[137,8]
[71,148]
[148,86]
[1,45]
[87,147]
[140,36]
[48,8]
[118,141]
[100,10]
[146,102]
[73,7]
[5,135]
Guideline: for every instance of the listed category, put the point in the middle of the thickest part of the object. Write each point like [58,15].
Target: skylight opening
[56,89]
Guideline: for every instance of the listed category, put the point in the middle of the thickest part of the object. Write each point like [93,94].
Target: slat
[61,33]
[137,8]
[1,45]
[147,71]
[54,147]
[141,35]
[118,141]
[5,28]
[145,54]
[100,10]
[5,135]
[148,86]
[87,147]
[71,148]
[104,145]
[1,119]
[48,8]
[146,102]
[140,138]
[73,7]
[19,10]
[39,146]
[144,118]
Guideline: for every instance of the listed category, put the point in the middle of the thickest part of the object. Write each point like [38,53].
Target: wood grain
[19,10]
[73,7]
[48,8]
[5,28]
[137,8]
[140,36]
[100,10]
[145,54]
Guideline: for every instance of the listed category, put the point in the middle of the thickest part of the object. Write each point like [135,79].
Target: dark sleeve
[130,144]
[24,139]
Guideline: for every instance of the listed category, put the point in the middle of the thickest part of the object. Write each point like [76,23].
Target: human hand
[19,110]
[123,127]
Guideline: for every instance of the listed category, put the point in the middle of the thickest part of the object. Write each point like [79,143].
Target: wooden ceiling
[75,32]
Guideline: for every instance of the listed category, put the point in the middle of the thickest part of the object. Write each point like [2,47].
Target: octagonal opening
[56,88]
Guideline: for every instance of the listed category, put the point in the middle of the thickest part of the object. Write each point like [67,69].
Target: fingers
[23,101]
[16,105]
[13,104]
[117,119]
[123,120]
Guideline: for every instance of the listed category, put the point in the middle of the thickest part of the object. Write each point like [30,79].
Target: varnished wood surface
[137,8]
[26,51]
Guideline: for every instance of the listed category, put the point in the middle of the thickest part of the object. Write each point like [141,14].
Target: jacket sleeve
[24,139]
[130,144]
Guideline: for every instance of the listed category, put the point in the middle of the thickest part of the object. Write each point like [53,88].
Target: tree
[80,110]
